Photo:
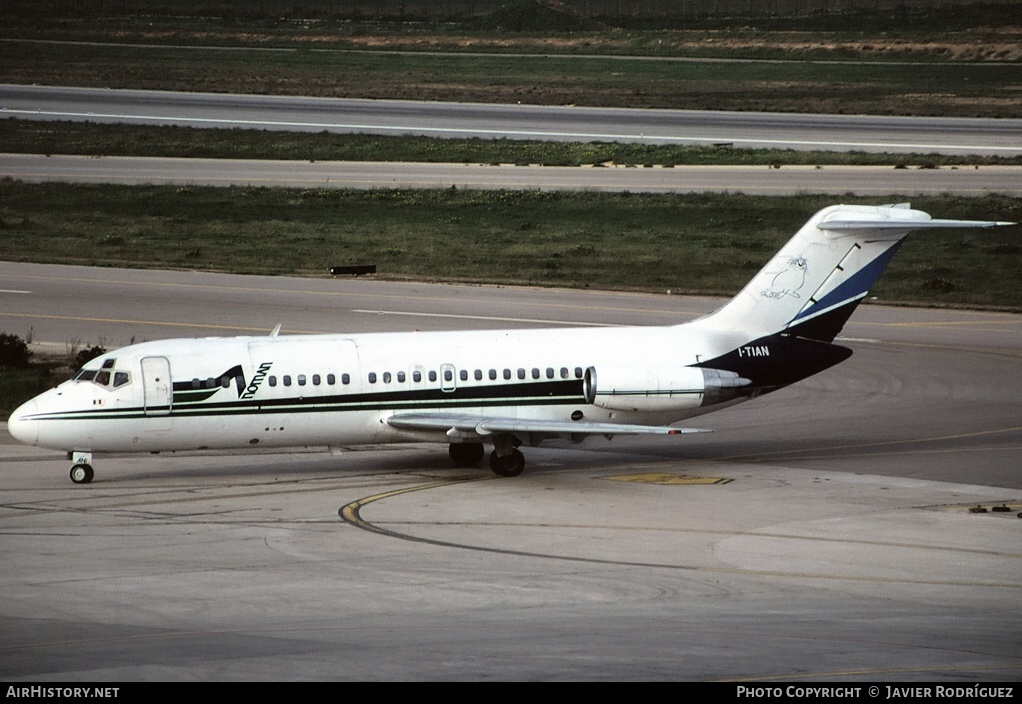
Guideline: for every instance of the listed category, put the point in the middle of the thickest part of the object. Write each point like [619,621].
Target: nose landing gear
[81,469]
[82,473]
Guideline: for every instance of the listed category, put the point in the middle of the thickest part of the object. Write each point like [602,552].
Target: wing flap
[483,426]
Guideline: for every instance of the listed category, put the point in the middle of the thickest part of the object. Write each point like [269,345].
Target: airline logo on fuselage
[754,351]
[257,380]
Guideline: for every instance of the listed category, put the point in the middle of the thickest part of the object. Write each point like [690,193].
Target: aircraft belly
[272,430]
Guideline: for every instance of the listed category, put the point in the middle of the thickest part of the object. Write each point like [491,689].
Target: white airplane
[470,389]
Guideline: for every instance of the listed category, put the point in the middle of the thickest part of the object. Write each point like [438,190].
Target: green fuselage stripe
[542,394]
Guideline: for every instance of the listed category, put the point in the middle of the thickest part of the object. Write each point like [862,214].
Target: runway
[753,180]
[821,533]
[548,123]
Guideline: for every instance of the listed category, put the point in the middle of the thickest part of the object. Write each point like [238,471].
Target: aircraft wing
[485,426]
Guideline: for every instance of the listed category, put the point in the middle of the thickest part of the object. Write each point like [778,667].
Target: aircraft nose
[21,424]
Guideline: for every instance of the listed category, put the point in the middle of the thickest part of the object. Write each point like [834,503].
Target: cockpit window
[106,376]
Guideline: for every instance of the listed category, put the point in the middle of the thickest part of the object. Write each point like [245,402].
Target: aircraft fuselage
[340,389]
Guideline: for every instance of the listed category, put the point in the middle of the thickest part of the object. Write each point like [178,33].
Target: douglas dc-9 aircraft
[470,389]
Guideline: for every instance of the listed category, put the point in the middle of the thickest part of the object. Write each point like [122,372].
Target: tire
[82,473]
[509,465]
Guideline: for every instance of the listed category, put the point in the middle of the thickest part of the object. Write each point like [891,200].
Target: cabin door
[156,385]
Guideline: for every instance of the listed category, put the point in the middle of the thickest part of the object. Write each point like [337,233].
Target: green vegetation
[23,374]
[14,351]
[87,353]
[58,137]
[691,243]
[18,385]
[21,378]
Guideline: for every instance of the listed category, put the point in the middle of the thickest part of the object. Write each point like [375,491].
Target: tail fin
[810,288]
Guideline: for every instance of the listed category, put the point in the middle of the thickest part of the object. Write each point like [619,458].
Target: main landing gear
[508,464]
[81,470]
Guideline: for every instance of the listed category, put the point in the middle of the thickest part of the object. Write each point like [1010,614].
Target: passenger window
[564,372]
[372,377]
[521,373]
[225,382]
[578,372]
[448,375]
[493,374]
[316,379]
[301,380]
[345,379]
[386,377]
[196,384]
[432,376]
[416,376]
[549,372]
[479,374]
[273,381]
[463,374]
[287,380]
[211,382]
[535,373]
[401,377]
[507,373]
[331,379]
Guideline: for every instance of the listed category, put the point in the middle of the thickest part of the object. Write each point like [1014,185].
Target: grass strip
[92,139]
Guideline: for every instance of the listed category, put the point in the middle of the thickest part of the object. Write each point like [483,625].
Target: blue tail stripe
[855,287]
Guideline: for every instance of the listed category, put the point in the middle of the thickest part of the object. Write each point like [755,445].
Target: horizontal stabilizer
[856,225]
[483,426]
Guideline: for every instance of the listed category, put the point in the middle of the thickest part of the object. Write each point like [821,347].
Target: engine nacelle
[660,389]
[644,388]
